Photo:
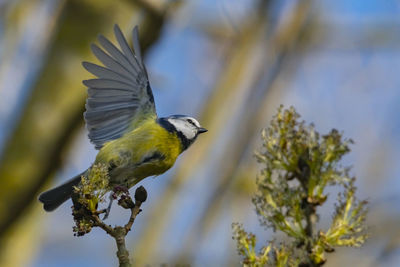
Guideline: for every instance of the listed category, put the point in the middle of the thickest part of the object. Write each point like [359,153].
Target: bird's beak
[202,130]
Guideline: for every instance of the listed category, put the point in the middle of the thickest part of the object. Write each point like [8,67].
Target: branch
[85,219]
[308,205]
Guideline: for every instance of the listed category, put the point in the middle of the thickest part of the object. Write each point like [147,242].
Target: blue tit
[122,121]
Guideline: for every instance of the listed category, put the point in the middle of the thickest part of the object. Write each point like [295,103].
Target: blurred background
[230,63]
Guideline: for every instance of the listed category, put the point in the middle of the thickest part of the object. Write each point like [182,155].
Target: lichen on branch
[298,164]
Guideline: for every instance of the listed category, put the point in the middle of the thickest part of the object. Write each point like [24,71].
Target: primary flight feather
[122,121]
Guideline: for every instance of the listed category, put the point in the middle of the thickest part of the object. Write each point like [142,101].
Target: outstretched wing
[121,97]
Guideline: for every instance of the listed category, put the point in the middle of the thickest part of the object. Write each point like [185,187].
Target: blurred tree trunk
[251,118]
[233,112]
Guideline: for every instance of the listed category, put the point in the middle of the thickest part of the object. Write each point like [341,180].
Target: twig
[82,215]
[122,252]
[102,225]
[135,211]
[303,175]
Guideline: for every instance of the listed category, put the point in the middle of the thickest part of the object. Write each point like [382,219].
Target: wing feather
[136,47]
[120,97]
[116,53]
[95,93]
[126,49]
[96,119]
[109,61]
[106,73]
[109,100]
[107,84]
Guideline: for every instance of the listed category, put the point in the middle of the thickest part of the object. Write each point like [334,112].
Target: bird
[122,122]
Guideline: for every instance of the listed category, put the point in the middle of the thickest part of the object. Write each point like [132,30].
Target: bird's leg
[114,195]
[107,211]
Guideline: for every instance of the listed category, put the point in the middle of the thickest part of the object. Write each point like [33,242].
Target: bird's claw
[114,195]
[108,209]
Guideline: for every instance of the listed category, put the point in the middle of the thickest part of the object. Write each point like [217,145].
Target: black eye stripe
[191,122]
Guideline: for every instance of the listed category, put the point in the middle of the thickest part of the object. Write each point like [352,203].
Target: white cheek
[186,130]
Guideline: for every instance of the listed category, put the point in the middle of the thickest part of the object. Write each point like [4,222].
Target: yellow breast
[147,150]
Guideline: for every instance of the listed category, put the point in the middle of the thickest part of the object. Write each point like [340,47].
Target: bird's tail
[53,198]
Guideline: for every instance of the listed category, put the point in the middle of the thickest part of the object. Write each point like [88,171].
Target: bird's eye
[191,122]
